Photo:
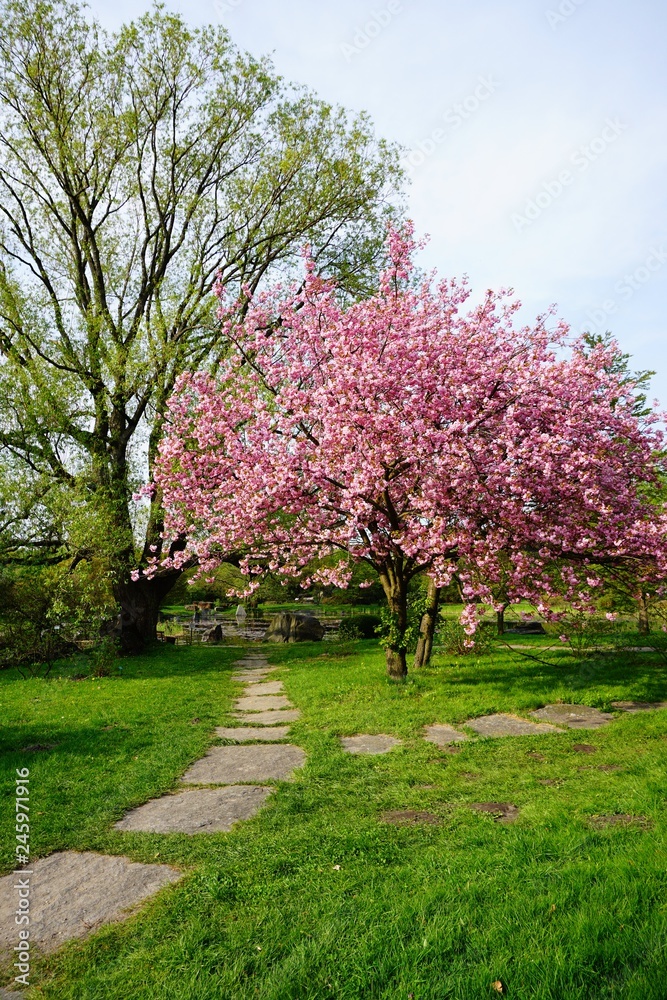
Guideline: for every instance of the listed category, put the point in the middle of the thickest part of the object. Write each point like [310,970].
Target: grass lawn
[317,897]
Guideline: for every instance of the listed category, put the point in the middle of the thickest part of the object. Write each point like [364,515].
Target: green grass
[553,908]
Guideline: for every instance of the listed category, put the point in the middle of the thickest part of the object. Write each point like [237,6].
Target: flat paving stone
[258,688]
[269,718]
[639,706]
[10,995]
[260,703]
[574,716]
[232,765]
[252,661]
[197,810]
[244,733]
[619,819]
[72,894]
[509,725]
[251,676]
[369,744]
[443,735]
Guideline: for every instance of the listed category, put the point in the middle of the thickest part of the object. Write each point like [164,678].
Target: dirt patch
[536,756]
[409,817]
[470,775]
[549,781]
[584,748]
[619,819]
[233,765]
[200,810]
[72,894]
[366,744]
[37,747]
[609,767]
[502,812]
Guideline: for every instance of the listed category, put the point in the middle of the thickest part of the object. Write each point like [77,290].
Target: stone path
[72,894]
[240,771]
[551,719]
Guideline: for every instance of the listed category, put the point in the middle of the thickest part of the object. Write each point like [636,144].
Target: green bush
[359,627]
[453,639]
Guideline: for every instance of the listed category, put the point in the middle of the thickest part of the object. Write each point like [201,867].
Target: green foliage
[135,168]
[364,626]
[453,639]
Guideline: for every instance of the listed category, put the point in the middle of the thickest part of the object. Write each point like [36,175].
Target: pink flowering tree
[415,433]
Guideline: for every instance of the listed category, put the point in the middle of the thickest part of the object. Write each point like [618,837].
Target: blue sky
[535,135]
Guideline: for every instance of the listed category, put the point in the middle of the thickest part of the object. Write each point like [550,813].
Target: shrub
[363,627]
[453,639]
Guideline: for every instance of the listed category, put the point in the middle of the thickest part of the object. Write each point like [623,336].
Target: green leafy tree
[135,169]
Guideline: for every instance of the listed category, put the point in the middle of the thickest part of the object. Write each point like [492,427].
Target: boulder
[214,635]
[526,628]
[288,627]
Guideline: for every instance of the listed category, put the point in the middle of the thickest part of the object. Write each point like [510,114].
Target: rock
[638,706]
[508,725]
[197,810]
[262,703]
[574,716]
[214,635]
[409,817]
[288,627]
[233,765]
[72,894]
[526,628]
[502,812]
[443,735]
[243,734]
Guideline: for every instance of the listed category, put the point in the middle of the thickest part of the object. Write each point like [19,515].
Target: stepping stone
[273,687]
[509,725]
[259,703]
[252,661]
[502,812]
[244,733]
[574,716]
[198,810]
[409,817]
[251,676]
[638,706]
[584,748]
[73,894]
[10,995]
[232,765]
[443,735]
[369,744]
[269,718]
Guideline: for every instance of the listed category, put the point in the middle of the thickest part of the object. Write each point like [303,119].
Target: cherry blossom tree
[414,432]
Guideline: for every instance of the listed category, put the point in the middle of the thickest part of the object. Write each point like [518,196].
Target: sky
[534,135]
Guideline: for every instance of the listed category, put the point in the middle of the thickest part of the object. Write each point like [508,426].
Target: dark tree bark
[427,627]
[500,619]
[395,585]
[643,621]
[140,602]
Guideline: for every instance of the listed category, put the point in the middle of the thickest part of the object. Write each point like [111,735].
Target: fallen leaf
[336,868]
[498,986]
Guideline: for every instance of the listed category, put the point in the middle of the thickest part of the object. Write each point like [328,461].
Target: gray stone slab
[10,995]
[638,706]
[258,688]
[443,735]
[501,724]
[260,703]
[72,894]
[268,718]
[250,676]
[242,734]
[197,810]
[574,716]
[232,765]
[252,661]
[367,744]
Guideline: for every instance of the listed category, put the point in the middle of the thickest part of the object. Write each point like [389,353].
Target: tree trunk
[427,626]
[396,592]
[500,620]
[140,602]
[643,623]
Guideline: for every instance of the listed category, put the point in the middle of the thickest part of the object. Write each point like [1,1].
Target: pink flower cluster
[415,433]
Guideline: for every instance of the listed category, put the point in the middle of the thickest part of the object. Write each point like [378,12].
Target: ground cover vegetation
[320,896]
